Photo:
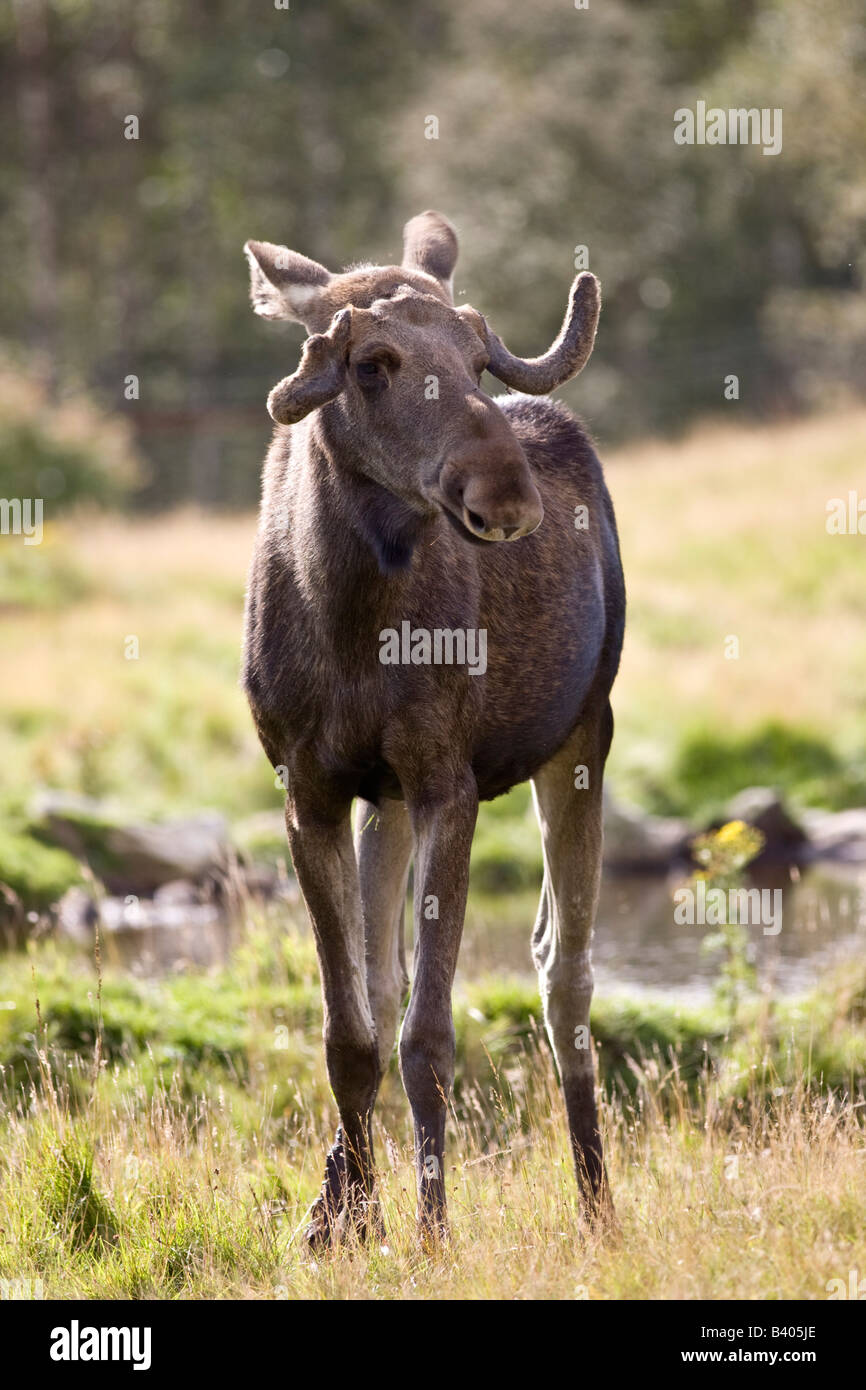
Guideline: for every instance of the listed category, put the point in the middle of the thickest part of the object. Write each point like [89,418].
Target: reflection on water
[637,945]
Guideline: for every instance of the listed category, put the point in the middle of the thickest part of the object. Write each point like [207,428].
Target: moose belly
[514,751]
[510,746]
[512,742]
[535,692]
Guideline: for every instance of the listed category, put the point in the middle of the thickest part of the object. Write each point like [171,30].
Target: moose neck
[352,540]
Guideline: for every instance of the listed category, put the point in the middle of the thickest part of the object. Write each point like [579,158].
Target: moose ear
[430,244]
[283,284]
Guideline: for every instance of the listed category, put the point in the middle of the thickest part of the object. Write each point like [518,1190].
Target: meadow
[162,1134]
[163,1138]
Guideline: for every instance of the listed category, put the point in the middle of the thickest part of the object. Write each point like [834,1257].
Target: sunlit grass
[169,1201]
[723,535]
[164,1137]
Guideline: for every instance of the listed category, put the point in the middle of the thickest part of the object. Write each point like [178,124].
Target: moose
[394,492]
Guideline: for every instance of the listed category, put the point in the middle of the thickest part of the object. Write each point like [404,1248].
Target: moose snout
[495,503]
[501,518]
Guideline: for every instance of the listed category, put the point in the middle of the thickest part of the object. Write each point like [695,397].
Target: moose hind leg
[567,795]
[383,844]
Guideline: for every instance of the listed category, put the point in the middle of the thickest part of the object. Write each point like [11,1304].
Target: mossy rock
[132,857]
[37,874]
[262,838]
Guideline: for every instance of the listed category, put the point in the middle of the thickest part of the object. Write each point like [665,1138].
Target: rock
[637,842]
[176,892]
[133,858]
[839,835]
[763,807]
[132,913]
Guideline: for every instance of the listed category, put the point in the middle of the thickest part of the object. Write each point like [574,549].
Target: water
[638,946]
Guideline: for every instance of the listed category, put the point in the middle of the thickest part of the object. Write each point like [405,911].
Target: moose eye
[369,373]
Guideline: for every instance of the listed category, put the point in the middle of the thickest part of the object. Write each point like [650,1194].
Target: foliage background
[306,125]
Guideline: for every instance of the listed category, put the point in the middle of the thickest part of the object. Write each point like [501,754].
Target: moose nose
[502,520]
[479,527]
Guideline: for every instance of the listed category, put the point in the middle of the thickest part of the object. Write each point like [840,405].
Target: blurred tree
[698,247]
[307,125]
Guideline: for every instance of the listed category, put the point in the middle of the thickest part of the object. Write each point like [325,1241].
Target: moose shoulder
[387,503]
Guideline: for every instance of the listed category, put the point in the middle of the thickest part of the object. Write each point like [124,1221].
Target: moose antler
[321,374]
[567,356]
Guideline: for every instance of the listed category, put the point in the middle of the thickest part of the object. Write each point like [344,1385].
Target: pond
[638,944]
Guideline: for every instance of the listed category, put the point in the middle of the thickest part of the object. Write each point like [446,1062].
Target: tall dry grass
[163,1194]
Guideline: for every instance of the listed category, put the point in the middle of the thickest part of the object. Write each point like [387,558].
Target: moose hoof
[321,1227]
[360,1220]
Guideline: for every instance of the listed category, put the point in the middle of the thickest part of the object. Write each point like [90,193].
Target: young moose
[394,491]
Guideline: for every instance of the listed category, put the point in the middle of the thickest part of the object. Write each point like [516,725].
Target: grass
[723,535]
[38,873]
[165,731]
[177,1205]
[163,1137]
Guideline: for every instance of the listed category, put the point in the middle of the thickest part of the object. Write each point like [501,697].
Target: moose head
[397,369]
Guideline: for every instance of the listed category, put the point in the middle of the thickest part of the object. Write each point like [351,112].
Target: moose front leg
[327,872]
[443,825]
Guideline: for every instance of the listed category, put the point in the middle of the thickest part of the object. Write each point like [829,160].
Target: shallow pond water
[638,944]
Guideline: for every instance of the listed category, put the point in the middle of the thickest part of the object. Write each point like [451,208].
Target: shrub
[712,766]
[64,451]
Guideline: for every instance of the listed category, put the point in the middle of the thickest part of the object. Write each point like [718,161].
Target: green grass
[241,1024]
[712,765]
[164,1138]
[37,874]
